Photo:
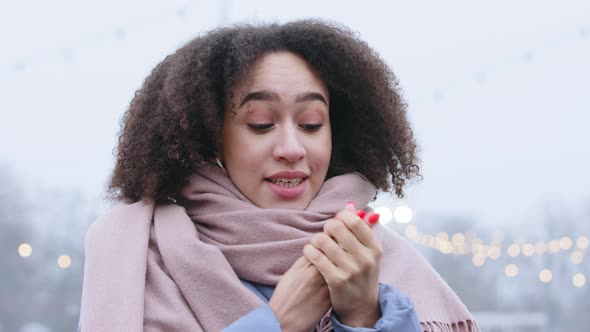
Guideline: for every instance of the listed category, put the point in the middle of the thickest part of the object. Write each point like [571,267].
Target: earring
[218,162]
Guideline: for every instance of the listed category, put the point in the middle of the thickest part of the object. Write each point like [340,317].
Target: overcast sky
[497,91]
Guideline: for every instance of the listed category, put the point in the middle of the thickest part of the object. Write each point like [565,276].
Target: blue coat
[398,314]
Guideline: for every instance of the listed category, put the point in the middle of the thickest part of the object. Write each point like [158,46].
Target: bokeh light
[64,261]
[511,270]
[403,214]
[579,280]
[25,250]
[385,214]
[513,250]
[478,260]
[528,249]
[546,276]
[582,242]
[576,257]
[565,243]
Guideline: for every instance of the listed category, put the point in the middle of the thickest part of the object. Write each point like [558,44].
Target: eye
[311,127]
[260,126]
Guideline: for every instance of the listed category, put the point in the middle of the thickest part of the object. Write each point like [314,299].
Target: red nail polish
[361,213]
[350,206]
[374,218]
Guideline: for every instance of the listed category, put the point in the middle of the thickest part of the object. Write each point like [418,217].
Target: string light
[554,246]
[579,280]
[458,239]
[478,260]
[403,214]
[442,236]
[482,74]
[25,250]
[576,257]
[528,249]
[494,252]
[541,248]
[446,247]
[582,242]
[385,215]
[458,245]
[565,243]
[545,275]
[64,261]
[513,250]
[511,270]
[119,33]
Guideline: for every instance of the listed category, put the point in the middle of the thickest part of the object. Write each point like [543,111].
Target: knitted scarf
[177,267]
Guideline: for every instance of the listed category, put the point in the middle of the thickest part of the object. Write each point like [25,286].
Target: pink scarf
[177,267]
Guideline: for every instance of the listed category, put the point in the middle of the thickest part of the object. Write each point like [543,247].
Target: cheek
[321,152]
[243,153]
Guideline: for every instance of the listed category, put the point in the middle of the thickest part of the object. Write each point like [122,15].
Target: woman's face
[277,140]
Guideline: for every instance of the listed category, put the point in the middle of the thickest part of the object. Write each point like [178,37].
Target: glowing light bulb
[478,260]
[442,236]
[513,250]
[540,248]
[403,214]
[582,242]
[25,250]
[577,257]
[385,215]
[554,246]
[494,252]
[511,270]
[458,239]
[565,243]
[545,276]
[528,249]
[579,280]
[64,261]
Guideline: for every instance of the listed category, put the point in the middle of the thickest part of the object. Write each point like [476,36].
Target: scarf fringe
[325,325]
[463,326]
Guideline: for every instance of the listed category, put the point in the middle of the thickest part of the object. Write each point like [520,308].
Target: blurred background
[498,97]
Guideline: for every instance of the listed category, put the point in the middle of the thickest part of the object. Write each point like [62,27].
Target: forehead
[285,73]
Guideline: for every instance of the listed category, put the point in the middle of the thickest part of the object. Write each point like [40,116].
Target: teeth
[288,183]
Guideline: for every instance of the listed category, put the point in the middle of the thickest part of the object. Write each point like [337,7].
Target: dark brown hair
[174,121]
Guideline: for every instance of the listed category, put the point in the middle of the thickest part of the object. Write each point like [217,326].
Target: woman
[243,166]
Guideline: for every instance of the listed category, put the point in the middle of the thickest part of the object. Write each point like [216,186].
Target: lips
[288,184]
[288,175]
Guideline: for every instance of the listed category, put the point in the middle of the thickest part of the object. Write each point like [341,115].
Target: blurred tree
[36,288]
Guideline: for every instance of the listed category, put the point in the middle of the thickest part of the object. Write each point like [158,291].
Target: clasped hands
[339,269]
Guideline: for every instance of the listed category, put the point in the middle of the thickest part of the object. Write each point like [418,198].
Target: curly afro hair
[174,122]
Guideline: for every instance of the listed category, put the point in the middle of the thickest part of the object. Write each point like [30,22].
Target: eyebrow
[272,96]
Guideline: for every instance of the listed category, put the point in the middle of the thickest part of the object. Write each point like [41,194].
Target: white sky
[496,149]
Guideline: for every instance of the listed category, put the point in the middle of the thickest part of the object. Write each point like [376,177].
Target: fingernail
[361,213]
[350,206]
[373,218]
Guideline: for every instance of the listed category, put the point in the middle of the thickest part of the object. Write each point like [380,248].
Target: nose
[289,146]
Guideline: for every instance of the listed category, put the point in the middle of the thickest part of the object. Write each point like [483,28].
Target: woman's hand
[348,255]
[301,297]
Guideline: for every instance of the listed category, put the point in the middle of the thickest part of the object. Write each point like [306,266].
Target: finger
[332,250]
[326,268]
[359,228]
[342,235]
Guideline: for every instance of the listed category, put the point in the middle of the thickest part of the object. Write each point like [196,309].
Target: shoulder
[119,222]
